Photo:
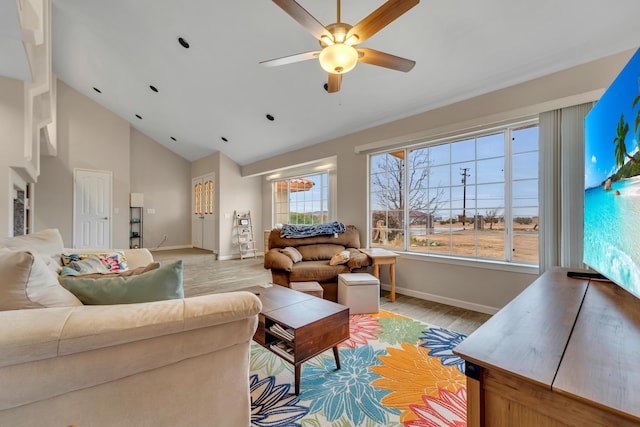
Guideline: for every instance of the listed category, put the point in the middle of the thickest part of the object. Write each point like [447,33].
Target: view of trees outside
[302,200]
[454,203]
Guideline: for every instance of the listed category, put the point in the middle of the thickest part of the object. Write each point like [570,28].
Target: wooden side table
[380,257]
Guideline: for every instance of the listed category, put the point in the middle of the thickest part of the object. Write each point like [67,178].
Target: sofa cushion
[160,284]
[27,282]
[292,253]
[357,259]
[15,268]
[317,271]
[276,260]
[340,258]
[46,242]
[319,251]
[43,286]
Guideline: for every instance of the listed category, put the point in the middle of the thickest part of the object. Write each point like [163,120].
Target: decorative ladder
[244,234]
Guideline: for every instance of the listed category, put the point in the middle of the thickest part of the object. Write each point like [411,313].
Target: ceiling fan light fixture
[326,41]
[351,40]
[339,36]
[338,58]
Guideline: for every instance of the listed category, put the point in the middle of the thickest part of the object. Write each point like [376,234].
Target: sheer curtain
[561,186]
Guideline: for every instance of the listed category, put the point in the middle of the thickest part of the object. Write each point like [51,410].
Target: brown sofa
[316,253]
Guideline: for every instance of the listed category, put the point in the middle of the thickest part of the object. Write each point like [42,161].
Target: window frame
[508,262]
[330,194]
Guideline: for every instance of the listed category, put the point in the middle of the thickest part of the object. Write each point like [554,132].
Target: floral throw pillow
[96,262]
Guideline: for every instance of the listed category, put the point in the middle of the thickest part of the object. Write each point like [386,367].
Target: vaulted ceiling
[214,95]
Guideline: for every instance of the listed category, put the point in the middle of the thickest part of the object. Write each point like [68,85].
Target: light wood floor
[203,274]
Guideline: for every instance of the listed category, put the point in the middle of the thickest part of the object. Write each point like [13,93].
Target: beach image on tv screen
[612,181]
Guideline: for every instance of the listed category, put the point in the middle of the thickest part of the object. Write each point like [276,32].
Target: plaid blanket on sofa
[301,231]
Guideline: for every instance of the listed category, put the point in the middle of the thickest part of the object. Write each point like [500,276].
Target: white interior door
[92,209]
[203,216]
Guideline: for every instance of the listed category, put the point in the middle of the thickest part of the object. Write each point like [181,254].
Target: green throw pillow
[68,271]
[160,284]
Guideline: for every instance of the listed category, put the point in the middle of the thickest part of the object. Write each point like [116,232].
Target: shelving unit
[280,339]
[244,234]
[135,227]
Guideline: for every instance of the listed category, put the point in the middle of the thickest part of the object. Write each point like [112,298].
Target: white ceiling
[216,88]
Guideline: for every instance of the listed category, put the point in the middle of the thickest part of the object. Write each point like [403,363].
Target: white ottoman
[360,292]
[310,288]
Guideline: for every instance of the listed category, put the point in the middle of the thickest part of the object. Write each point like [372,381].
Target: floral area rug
[395,371]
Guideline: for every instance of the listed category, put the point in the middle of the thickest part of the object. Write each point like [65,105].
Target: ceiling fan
[338,40]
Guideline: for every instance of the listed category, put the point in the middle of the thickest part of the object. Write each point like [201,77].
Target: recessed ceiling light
[153,88]
[174,139]
[97,90]
[139,116]
[224,139]
[183,43]
[270,117]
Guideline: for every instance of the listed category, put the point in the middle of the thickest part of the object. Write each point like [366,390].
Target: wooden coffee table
[311,325]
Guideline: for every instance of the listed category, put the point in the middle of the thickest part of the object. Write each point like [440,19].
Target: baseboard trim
[237,256]
[443,300]
[169,248]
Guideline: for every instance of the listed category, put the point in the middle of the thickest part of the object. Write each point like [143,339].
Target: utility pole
[465,175]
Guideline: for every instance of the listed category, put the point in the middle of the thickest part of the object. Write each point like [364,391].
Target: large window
[474,196]
[302,200]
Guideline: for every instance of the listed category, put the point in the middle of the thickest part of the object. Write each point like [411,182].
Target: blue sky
[602,122]
[485,174]
[311,200]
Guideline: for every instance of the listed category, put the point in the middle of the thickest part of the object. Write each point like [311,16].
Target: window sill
[475,263]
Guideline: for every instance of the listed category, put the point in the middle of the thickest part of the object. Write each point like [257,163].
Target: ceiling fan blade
[380,18]
[304,18]
[290,59]
[334,83]
[381,59]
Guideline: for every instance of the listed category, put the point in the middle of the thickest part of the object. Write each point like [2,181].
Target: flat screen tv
[612,181]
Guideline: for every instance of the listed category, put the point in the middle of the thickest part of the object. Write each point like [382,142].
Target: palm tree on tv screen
[636,126]
[620,152]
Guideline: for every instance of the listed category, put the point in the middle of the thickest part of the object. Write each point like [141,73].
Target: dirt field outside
[465,240]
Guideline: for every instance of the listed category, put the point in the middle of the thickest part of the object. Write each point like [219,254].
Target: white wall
[92,137]
[11,144]
[89,137]
[164,178]
[464,285]
[232,192]
[237,193]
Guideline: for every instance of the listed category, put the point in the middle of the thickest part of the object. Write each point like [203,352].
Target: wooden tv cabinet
[565,352]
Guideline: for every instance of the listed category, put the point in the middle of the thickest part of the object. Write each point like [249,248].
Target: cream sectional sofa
[180,362]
